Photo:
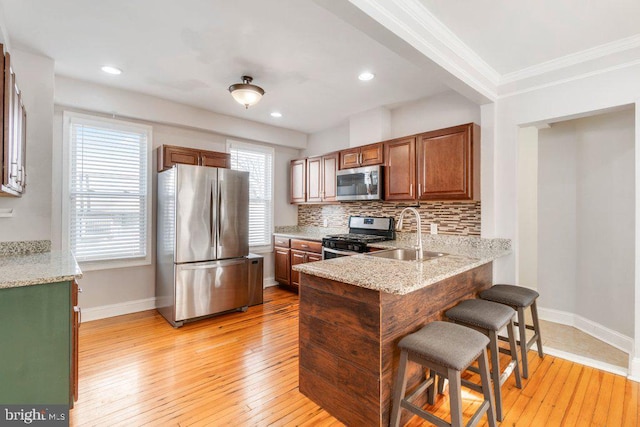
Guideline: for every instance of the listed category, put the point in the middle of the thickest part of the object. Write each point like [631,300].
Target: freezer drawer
[206,288]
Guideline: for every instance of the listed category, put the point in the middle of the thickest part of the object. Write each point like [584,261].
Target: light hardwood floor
[241,369]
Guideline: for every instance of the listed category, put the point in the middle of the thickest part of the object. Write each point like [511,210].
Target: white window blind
[258,161]
[108,178]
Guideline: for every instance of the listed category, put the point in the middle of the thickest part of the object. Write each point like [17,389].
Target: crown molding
[410,20]
[448,38]
[572,59]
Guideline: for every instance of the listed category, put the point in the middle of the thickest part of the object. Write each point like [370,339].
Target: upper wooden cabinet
[400,172]
[329,169]
[14,132]
[313,180]
[448,166]
[169,155]
[438,165]
[367,155]
[298,177]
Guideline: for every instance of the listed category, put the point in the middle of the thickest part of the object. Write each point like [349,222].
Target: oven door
[328,253]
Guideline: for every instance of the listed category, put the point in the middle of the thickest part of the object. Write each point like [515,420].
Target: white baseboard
[112,310]
[269,281]
[611,337]
[614,369]
[634,370]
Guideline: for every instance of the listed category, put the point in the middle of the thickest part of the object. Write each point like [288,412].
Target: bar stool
[446,349]
[519,298]
[489,318]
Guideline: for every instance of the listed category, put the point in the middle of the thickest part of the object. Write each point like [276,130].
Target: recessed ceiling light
[276,114]
[366,76]
[111,70]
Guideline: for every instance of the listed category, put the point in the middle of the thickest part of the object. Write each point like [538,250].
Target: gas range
[362,231]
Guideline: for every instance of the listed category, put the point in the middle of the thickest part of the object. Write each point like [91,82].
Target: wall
[439,111]
[528,207]
[32,212]
[557,213]
[328,140]
[461,218]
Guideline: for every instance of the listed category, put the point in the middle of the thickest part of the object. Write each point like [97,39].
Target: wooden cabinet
[303,251]
[282,257]
[367,155]
[313,180]
[291,252]
[169,155]
[448,166]
[14,132]
[298,180]
[38,350]
[400,172]
[438,165]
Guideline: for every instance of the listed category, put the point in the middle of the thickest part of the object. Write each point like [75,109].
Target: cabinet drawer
[306,245]
[282,242]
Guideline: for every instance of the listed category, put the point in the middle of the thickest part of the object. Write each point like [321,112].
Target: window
[258,161]
[106,203]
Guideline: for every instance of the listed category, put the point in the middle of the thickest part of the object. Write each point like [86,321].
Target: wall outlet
[434,228]
[325,222]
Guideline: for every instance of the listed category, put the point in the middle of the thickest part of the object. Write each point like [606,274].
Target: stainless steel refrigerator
[202,239]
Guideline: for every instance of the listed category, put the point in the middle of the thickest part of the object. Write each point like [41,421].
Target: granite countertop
[25,264]
[403,277]
[307,232]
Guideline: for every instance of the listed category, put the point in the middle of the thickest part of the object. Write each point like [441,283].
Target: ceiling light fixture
[366,76]
[245,93]
[111,70]
[276,114]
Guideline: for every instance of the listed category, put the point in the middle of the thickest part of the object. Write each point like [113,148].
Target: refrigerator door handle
[218,209]
[210,265]
[213,219]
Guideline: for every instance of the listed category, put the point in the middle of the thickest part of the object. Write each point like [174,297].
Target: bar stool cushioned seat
[446,349]
[510,295]
[446,344]
[519,298]
[489,318]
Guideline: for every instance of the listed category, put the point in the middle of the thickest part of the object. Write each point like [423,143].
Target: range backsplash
[461,218]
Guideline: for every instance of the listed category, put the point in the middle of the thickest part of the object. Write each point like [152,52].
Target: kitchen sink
[406,254]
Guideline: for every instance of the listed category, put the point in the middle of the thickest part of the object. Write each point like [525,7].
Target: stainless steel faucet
[418,246]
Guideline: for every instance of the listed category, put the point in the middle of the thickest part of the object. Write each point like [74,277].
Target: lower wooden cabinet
[291,252]
[283,265]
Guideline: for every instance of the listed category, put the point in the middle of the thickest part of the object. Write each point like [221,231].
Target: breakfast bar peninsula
[354,310]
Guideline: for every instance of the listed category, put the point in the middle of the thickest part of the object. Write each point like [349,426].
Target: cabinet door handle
[419,189]
[360,158]
[304,246]
[79,311]
[411,189]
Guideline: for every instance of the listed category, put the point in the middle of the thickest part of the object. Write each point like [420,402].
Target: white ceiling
[305,57]
[512,35]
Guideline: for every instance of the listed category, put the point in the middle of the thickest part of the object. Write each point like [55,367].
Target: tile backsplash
[460,218]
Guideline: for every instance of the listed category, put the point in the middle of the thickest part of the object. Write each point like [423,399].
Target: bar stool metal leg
[522,330]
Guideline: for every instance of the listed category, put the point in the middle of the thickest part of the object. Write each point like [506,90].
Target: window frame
[68,117]
[266,248]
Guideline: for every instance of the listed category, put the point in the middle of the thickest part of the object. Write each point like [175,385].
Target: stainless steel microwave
[363,183]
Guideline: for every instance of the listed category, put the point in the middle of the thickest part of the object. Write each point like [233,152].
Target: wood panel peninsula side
[354,311]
